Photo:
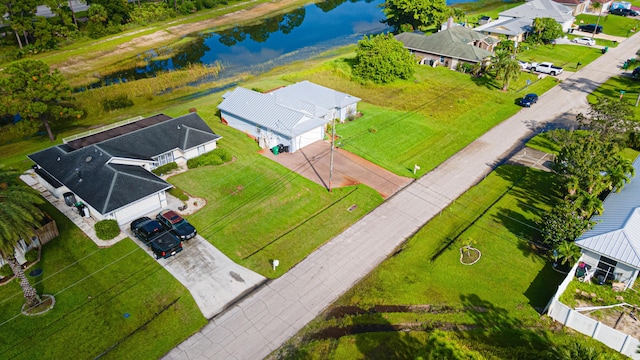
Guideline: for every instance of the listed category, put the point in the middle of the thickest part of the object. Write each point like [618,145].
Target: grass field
[612,88]
[94,289]
[491,307]
[566,56]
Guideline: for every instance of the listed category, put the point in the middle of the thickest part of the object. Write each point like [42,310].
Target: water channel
[297,35]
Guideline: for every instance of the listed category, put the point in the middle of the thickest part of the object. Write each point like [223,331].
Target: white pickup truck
[547,68]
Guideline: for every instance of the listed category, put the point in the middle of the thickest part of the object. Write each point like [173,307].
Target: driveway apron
[263,321]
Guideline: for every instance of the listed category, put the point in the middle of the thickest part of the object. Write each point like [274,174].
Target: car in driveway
[529,100]
[623,12]
[584,41]
[180,227]
[590,28]
[162,242]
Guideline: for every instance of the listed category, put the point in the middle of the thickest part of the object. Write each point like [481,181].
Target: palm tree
[619,173]
[19,215]
[568,252]
[572,184]
[507,68]
[588,203]
[596,5]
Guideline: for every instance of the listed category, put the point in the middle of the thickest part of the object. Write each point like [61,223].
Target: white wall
[308,138]
[252,129]
[143,207]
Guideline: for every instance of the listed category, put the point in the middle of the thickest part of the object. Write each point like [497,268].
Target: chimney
[450,22]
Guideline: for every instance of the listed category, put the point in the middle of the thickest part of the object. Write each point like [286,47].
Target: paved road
[262,322]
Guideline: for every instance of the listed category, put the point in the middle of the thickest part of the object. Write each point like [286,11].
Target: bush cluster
[107,229]
[5,270]
[165,168]
[31,255]
[179,193]
[213,158]
[18,131]
[118,102]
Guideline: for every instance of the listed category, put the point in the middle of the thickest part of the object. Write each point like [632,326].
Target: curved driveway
[262,322]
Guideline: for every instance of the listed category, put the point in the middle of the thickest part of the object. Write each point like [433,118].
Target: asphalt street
[263,321]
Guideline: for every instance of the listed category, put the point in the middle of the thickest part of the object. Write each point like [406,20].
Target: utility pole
[333,139]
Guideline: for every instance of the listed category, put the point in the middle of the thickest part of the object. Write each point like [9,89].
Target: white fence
[563,314]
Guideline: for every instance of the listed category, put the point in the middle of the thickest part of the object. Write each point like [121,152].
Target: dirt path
[91,59]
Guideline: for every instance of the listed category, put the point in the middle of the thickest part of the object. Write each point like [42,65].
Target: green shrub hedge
[165,168]
[5,270]
[117,102]
[179,193]
[213,158]
[107,229]
[31,255]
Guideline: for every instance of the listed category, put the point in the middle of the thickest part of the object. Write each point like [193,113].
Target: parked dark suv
[623,12]
[590,27]
[179,226]
[162,243]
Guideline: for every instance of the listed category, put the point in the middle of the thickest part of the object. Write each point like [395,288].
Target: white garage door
[139,209]
[309,137]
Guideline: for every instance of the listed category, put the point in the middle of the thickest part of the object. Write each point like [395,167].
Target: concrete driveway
[313,162]
[213,280]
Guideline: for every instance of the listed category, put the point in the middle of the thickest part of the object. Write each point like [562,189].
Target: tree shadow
[543,287]
[486,81]
[495,326]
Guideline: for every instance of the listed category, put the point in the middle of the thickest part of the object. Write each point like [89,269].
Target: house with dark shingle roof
[449,47]
[612,246]
[110,172]
[294,116]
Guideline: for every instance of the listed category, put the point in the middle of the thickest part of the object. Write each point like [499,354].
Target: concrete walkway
[262,322]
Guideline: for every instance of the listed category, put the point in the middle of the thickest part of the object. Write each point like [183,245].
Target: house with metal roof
[294,116]
[612,246]
[456,44]
[542,9]
[109,172]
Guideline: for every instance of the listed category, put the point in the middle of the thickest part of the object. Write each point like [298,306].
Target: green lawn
[566,56]
[424,121]
[612,87]
[94,289]
[611,24]
[490,307]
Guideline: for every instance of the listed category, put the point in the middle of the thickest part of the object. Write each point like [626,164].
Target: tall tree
[564,223]
[609,117]
[619,172]
[383,59]
[19,15]
[417,14]
[19,216]
[36,93]
[545,30]
[506,67]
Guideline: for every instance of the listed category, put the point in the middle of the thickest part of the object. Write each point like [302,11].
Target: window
[200,149]
[163,159]
[441,59]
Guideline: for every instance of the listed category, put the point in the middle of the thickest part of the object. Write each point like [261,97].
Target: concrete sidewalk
[262,322]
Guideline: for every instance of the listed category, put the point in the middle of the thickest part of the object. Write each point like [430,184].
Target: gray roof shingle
[456,42]
[540,9]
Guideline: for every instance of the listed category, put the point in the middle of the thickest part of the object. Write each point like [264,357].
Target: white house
[516,22]
[294,116]
[109,172]
[612,246]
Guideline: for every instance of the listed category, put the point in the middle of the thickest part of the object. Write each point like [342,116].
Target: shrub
[107,229]
[31,255]
[165,168]
[179,193]
[213,158]
[5,270]
[117,102]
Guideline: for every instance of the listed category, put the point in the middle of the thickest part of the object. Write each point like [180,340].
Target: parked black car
[162,243]
[636,73]
[176,224]
[590,27]
[623,12]
[529,100]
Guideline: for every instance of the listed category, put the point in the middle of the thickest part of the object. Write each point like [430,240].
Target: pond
[297,35]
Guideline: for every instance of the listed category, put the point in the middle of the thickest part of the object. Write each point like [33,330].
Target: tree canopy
[383,59]
[545,30]
[506,67]
[611,118]
[35,92]
[414,14]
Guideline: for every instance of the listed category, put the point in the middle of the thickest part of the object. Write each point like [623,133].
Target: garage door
[141,208]
[309,137]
